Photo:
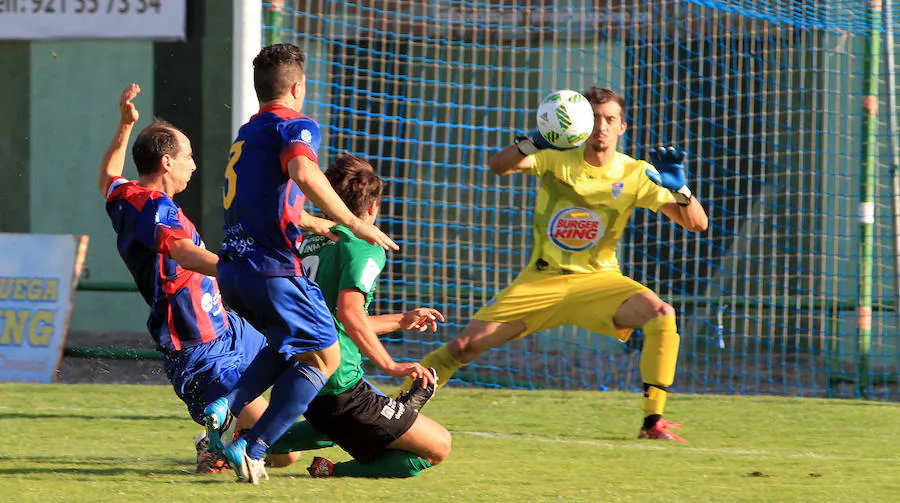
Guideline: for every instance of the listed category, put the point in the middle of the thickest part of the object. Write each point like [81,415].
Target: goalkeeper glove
[530,143]
[669,172]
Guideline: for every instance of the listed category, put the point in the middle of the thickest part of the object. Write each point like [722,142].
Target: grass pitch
[133,443]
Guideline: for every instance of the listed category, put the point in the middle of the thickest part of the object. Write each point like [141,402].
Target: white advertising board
[38,277]
[92,19]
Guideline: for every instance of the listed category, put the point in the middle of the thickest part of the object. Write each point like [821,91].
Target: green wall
[14,135]
[65,109]
[74,92]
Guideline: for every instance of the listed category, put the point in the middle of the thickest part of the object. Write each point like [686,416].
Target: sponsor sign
[92,19]
[574,229]
[38,277]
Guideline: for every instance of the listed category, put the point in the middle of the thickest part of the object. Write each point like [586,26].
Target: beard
[599,147]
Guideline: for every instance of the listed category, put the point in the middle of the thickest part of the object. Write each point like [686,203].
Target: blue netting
[766,97]
[848,15]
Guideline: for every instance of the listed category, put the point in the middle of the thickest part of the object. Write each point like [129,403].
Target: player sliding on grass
[586,197]
[386,438]
[205,348]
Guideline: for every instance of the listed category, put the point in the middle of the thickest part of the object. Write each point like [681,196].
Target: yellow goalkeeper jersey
[582,210]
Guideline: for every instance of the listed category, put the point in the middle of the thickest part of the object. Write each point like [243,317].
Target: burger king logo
[575,229]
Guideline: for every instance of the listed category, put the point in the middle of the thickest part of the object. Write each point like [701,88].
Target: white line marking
[646,445]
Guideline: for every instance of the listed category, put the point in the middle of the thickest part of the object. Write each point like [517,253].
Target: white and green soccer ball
[565,118]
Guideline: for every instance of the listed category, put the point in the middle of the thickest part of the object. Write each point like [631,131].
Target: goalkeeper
[586,197]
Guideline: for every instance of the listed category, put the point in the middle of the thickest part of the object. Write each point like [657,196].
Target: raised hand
[127,110]
[669,164]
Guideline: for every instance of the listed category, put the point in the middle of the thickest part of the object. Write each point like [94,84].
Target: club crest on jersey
[575,229]
[617,189]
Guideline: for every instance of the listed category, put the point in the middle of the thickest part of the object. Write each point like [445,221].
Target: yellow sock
[441,361]
[658,359]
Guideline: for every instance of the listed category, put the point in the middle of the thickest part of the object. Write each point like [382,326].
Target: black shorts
[360,420]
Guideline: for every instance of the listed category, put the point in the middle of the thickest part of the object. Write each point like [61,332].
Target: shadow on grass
[180,470]
[31,470]
[100,466]
[56,415]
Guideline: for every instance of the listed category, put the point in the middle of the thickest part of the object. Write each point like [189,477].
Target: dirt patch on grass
[74,370]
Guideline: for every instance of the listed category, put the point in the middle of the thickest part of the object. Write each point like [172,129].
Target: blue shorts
[205,372]
[290,311]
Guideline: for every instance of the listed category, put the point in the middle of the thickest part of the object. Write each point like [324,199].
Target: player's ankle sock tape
[654,402]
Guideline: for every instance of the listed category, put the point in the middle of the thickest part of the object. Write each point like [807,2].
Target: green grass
[133,444]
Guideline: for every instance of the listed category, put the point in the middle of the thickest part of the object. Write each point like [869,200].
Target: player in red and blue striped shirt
[205,348]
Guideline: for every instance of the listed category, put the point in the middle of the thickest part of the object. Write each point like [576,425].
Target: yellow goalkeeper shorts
[545,300]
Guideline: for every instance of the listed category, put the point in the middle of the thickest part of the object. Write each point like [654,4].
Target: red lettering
[587,234]
[577,224]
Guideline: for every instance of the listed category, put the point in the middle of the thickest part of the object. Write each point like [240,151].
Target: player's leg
[478,337]
[522,308]
[249,416]
[210,370]
[427,439]
[389,464]
[619,304]
[291,394]
[300,327]
[385,438]
[658,357]
[257,366]
[301,436]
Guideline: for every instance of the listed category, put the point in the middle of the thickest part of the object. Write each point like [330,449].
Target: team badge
[617,189]
[575,229]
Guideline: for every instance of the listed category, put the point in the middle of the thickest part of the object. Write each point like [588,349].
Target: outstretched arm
[113,163]
[691,217]
[518,156]
[510,160]
[315,186]
[352,314]
[421,319]
[316,225]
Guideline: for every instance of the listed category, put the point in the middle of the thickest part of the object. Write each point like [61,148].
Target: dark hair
[156,140]
[275,69]
[601,95]
[355,181]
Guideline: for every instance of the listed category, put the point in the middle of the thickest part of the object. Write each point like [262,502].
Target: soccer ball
[565,118]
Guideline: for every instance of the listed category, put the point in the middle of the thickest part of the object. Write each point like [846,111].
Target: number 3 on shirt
[231,174]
